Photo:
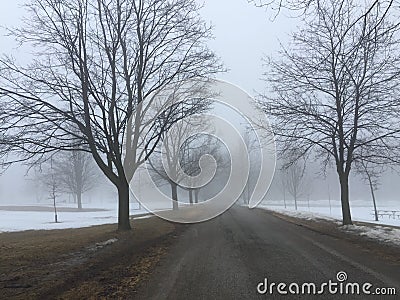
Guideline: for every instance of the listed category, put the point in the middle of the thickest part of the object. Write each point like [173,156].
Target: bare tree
[49,179]
[370,174]
[182,149]
[100,66]
[294,181]
[278,5]
[77,173]
[329,199]
[282,184]
[193,150]
[175,141]
[252,147]
[305,6]
[334,93]
[53,188]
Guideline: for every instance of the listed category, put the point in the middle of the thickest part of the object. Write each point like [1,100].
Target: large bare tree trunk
[344,198]
[123,206]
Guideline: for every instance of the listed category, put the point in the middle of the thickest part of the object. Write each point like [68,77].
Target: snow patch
[143,217]
[360,210]
[302,214]
[101,245]
[379,233]
[44,220]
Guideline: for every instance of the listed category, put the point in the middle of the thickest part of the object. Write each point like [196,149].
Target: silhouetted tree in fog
[76,173]
[334,92]
[294,181]
[176,140]
[101,66]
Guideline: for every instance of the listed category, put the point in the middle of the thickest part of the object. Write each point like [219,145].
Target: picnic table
[391,214]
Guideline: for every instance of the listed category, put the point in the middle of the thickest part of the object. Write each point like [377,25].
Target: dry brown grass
[60,263]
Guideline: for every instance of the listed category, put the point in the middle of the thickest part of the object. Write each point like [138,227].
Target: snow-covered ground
[381,233]
[360,212]
[11,220]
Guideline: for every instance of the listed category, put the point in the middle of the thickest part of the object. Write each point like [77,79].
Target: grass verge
[77,264]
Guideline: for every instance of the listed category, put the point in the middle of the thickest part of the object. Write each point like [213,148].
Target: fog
[244,35]
[19,185]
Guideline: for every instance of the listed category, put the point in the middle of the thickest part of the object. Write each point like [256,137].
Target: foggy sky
[243,35]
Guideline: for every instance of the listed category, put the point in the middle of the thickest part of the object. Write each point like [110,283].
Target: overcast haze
[244,34]
[162,164]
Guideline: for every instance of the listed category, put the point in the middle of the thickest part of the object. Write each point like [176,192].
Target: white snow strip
[360,211]
[376,232]
[143,217]
[302,214]
[11,221]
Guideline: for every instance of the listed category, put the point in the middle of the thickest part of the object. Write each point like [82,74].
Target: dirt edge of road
[86,263]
